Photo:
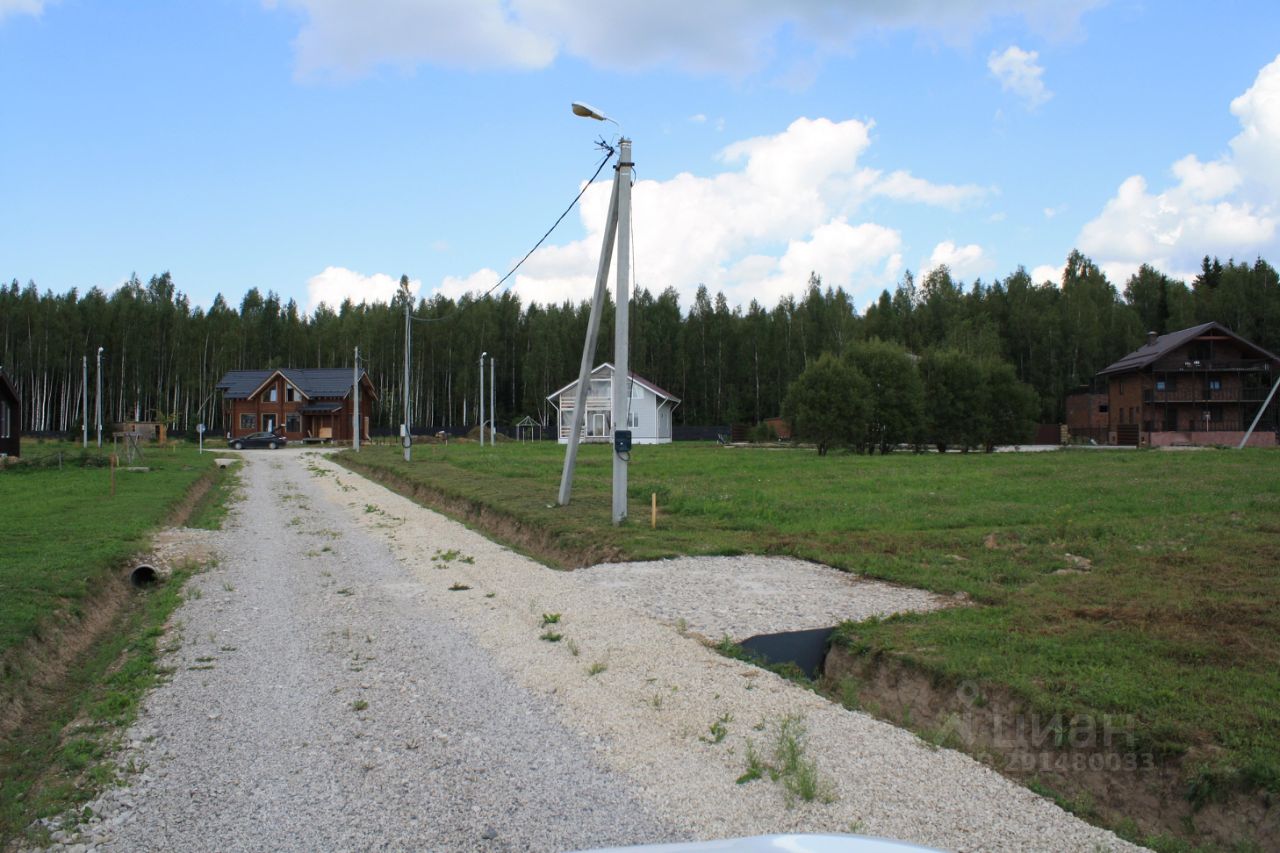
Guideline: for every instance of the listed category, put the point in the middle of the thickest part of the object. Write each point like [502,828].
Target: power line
[609,152]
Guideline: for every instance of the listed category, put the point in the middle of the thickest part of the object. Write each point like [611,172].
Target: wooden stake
[653,512]
[113,475]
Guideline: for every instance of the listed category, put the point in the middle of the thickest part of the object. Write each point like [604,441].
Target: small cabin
[10,418]
[648,418]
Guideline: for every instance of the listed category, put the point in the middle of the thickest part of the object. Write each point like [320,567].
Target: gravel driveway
[336,688]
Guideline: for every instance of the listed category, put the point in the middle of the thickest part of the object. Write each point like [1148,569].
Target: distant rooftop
[311,381]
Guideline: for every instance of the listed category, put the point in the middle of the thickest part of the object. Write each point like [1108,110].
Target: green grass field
[1176,621]
[60,529]
[61,539]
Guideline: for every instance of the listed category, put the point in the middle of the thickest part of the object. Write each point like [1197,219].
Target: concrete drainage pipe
[145,575]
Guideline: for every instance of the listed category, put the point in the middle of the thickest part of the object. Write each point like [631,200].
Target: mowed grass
[1175,623]
[61,530]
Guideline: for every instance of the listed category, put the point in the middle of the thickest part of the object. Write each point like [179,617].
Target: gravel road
[357,672]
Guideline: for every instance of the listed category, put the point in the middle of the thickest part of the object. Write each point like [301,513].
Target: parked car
[268,440]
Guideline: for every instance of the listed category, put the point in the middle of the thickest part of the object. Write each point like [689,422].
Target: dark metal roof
[311,381]
[1146,355]
[8,387]
[320,408]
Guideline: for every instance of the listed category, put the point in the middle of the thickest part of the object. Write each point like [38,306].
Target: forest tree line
[163,356]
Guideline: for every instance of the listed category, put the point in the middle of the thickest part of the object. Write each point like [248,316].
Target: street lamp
[98,399]
[617,228]
[482,355]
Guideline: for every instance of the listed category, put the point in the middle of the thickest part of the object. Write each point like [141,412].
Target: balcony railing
[1201,394]
[1207,365]
[601,403]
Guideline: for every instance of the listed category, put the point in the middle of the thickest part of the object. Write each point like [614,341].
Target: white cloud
[1048,273]
[782,207]
[337,284]
[1019,72]
[699,118]
[713,36]
[1228,207]
[965,262]
[351,39]
[21,7]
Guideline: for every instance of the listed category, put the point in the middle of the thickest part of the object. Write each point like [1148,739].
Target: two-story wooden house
[648,416]
[1202,385]
[302,404]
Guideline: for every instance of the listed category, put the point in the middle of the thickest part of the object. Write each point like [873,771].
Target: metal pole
[84,387]
[406,439]
[621,338]
[355,410]
[589,348]
[482,355]
[1257,418]
[98,397]
[493,407]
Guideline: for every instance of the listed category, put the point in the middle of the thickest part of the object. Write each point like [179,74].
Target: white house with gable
[649,418]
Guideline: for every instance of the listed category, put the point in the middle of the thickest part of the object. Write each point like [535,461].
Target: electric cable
[600,145]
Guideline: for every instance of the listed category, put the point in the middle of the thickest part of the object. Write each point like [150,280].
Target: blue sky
[321,148]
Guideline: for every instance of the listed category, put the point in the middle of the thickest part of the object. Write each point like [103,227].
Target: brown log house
[301,404]
[1202,385]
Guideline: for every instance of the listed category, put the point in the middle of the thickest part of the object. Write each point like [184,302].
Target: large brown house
[10,418]
[1202,385]
[311,404]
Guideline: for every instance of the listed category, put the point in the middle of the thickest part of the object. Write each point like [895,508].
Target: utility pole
[408,441]
[617,229]
[84,408]
[493,407]
[621,336]
[355,412]
[482,355]
[98,397]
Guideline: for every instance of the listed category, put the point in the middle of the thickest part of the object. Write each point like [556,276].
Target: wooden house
[649,418]
[1202,385]
[302,404]
[10,418]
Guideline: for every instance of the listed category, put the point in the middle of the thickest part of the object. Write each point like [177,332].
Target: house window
[1119,387]
[633,420]
[271,394]
[290,393]
[248,421]
[637,391]
[1160,385]
[1214,384]
[292,422]
[4,421]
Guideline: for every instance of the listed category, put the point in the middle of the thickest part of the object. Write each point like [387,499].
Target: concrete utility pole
[493,407]
[407,439]
[621,336]
[84,387]
[355,402]
[482,355]
[98,397]
[617,229]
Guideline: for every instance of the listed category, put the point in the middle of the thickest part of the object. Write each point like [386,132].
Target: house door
[268,423]
[599,423]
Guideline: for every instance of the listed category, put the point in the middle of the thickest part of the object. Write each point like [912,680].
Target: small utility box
[622,441]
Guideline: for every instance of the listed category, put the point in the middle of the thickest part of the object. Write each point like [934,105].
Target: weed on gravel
[597,667]
[550,636]
[458,586]
[790,766]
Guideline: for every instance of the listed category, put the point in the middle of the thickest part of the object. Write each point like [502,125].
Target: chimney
[1151,338]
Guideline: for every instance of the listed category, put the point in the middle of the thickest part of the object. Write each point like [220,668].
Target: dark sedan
[268,440]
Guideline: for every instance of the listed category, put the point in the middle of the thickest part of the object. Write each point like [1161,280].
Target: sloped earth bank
[361,672]
[1092,762]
